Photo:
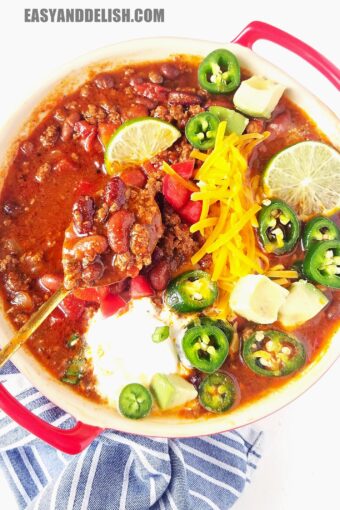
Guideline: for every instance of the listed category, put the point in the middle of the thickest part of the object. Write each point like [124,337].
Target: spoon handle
[31,325]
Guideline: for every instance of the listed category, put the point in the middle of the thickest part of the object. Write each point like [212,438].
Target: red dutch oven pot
[76,439]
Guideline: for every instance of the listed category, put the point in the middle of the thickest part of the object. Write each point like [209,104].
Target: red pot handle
[258,30]
[71,441]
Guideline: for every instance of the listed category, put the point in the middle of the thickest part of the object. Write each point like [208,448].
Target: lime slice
[306,176]
[138,140]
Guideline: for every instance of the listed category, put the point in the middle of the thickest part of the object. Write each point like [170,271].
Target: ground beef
[8,263]
[50,136]
[177,244]
[32,262]
[15,282]
[42,172]
[177,113]
[94,113]
[112,112]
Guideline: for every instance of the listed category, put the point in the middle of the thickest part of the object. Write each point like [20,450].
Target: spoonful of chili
[111,237]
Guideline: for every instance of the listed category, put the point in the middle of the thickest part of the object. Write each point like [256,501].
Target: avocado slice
[171,390]
[258,96]
[236,122]
[303,303]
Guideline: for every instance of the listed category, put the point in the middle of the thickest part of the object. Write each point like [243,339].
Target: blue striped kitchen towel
[119,471]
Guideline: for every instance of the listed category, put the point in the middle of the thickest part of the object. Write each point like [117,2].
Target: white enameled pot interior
[68,79]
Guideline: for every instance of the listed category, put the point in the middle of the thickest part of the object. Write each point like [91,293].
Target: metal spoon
[110,275]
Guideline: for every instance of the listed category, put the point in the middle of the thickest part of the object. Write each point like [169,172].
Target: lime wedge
[306,176]
[138,140]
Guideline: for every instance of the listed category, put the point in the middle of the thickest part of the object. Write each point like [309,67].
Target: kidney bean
[279,108]
[136,80]
[135,110]
[195,378]
[170,71]
[23,301]
[146,102]
[155,77]
[89,247]
[159,275]
[152,91]
[134,177]
[51,281]
[114,192]
[279,125]
[83,215]
[183,98]
[157,255]
[68,126]
[104,81]
[118,230]
[93,272]
[27,148]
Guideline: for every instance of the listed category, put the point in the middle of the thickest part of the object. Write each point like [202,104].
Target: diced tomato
[51,281]
[174,193]
[185,168]
[140,287]
[133,177]
[106,130]
[191,212]
[56,316]
[111,304]
[92,294]
[72,307]
[152,91]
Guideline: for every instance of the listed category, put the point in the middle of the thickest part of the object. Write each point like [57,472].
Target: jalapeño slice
[217,393]
[319,229]
[201,130]
[135,401]
[279,227]
[322,263]
[191,291]
[219,73]
[225,326]
[272,353]
[206,347]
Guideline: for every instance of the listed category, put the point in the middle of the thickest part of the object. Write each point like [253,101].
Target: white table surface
[299,469]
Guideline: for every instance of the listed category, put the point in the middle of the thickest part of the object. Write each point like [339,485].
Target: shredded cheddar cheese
[229,210]
[290,274]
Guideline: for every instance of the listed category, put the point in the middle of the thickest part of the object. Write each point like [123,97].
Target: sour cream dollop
[121,349]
